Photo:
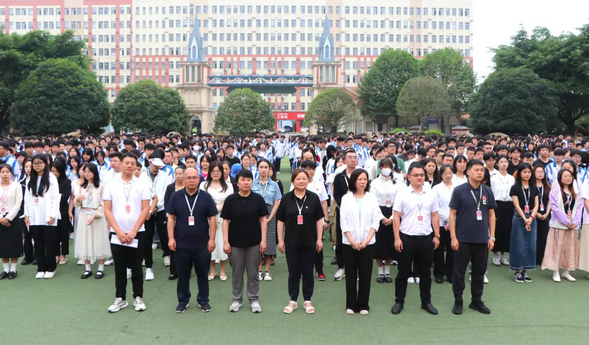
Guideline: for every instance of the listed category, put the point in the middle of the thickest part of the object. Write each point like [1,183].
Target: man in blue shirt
[6,158]
[191,231]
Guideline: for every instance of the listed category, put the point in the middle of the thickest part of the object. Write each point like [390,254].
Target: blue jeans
[522,245]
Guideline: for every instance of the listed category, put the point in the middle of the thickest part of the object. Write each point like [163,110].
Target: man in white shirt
[280,150]
[115,168]
[126,206]
[415,214]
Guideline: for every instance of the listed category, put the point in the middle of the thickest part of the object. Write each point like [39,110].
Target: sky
[495,21]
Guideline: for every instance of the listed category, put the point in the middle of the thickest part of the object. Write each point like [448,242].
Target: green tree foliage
[150,108]
[423,98]
[450,67]
[21,54]
[60,97]
[562,60]
[514,100]
[332,109]
[244,111]
[381,85]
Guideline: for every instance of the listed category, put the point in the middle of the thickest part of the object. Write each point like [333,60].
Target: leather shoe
[449,279]
[25,262]
[438,280]
[457,309]
[429,308]
[397,308]
[34,262]
[480,307]
[334,261]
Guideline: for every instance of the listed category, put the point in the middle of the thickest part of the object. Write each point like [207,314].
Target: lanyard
[127,191]
[480,198]
[569,201]
[541,192]
[191,209]
[526,196]
[265,188]
[88,193]
[303,204]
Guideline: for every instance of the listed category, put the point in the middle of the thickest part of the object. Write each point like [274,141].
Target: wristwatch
[493,238]
[326,221]
[438,236]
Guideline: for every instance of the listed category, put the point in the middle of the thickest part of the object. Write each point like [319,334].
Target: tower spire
[326,43]
[196,47]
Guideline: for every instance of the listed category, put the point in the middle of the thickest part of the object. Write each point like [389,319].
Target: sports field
[68,310]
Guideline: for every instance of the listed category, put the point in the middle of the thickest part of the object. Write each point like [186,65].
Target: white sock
[381,270]
[101,267]
[13,267]
[6,266]
[88,267]
[387,270]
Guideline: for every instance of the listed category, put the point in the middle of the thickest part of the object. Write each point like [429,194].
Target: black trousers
[478,254]
[46,247]
[443,256]
[318,259]
[185,259]
[63,236]
[156,221]
[418,249]
[338,240]
[28,241]
[300,262]
[358,264]
[277,164]
[128,257]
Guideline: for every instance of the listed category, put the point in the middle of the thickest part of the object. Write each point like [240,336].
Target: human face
[245,162]
[568,166]
[460,150]
[476,173]
[391,149]
[263,169]
[28,168]
[577,159]
[168,158]
[530,160]
[490,162]
[301,181]
[226,170]
[544,152]
[487,148]
[515,155]
[351,160]
[204,164]
[479,155]
[447,160]
[38,165]
[430,167]
[470,155]
[503,164]
[339,163]
[447,175]
[539,174]
[310,172]
[191,179]
[416,177]
[216,174]
[129,165]
[89,175]
[308,156]
[244,184]
[362,182]
[461,166]
[190,163]
[55,172]
[567,178]
[431,153]
[526,174]
[440,158]
[229,151]
[5,174]
[115,163]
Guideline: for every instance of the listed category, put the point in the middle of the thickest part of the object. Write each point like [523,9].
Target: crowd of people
[408,200]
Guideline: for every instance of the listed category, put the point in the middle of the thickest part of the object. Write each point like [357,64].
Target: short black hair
[244,173]
[354,177]
[474,162]
[129,155]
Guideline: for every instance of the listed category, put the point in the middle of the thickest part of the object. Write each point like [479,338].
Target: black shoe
[12,275]
[34,262]
[480,307]
[172,277]
[429,308]
[457,309]
[99,275]
[449,279]
[181,308]
[86,274]
[334,261]
[397,308]
[388,278]
[380,278]
[25,262]
[3,275]
[205,307]
[438,280]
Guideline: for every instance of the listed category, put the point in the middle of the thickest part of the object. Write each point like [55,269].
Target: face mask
[386,171]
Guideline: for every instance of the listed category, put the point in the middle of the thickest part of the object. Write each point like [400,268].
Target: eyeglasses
[418,175]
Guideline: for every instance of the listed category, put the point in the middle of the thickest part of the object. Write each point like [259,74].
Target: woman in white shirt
[501,184]
[41,215]
[360,217]
[443,255]
[459,166]
[11,240]
[385,189]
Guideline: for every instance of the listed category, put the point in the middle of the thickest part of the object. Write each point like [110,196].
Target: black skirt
[504,215]
[11,241]
[385,238]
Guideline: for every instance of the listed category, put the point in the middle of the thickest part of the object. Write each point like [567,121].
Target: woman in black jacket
[64,224]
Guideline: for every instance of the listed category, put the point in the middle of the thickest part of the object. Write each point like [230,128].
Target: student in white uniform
[459,166]
[501,184]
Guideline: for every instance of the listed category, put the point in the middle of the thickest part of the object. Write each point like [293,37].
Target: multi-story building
[131,40]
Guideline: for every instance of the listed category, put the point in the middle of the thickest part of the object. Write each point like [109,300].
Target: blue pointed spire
[326,43]
[196,48]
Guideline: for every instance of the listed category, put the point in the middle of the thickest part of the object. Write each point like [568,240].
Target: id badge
[479,215]
[420,218]
[299,220]
[527,209]
[128,208]
[89,211]
[36,201]
[570,214]
[3,210]
[191,221]
[389,203]
[541,207]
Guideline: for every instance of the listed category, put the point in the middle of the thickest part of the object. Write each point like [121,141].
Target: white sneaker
[109,262]
[235,306]
[339,274]
[267,276]
[411,280]
[166,261]
[261,275]
[138,304]
[129,273]
[40,275]
[486,280]
[556,276]
[497,259]
[149,274]
[364,312]
[504,261]
[80,262]
[49,275]
[416,280]
[566,275]
[154,246]
[256,308]
[118,304]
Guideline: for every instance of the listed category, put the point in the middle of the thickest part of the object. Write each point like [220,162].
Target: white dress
[92,241]
[219,198]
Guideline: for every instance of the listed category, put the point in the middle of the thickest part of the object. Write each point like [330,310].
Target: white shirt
[457,181]
[159,185]
[385,191]
[585,195]
[40,208]
[414,206]
[501,186]
[358,217]
[443,195]
[137,190]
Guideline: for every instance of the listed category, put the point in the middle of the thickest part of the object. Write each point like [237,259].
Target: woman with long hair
[29,255]
[92,243]
[228,178]
[74,211]
[543,214]
[248,163]
[101,162]
[501,184]
[87,155]
[432,176]
[218,188]
[205,163]
[73,166]
[64,226]
[41,215]
[11,244]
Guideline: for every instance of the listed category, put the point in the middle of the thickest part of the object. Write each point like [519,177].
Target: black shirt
[244,213]
[233,160]
[340,186]
[530,195]
[539,161]
[192,236]
[295,234]
[512,168]
[468,228]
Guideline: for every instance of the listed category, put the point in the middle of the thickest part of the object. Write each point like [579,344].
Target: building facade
[131,40]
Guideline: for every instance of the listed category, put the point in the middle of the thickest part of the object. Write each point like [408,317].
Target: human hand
[398,245]
[455,244]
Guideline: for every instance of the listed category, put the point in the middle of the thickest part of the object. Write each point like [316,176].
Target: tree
[149,107]
[560,59]
[514,100]
[60,97]
[21,54]
[423,98]
[332,108]
[381,85]
[244,111]
[450,67]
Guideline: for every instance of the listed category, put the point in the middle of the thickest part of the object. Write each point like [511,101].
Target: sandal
[211,277]
[99,275]
[290,307]
[223,277]
[63,261]
[309,309]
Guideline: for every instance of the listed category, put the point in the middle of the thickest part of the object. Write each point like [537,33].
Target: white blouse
[10,200]
[385,191]
[443,195]
[40,209]
[359,216]
[457,181]
[501,186]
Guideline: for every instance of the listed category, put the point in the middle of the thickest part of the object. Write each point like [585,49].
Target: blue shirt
[197,235]
[269,191]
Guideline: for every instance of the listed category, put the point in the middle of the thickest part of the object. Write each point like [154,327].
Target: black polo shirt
[196,236]
[244,213]
[468,228]
[305,234]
